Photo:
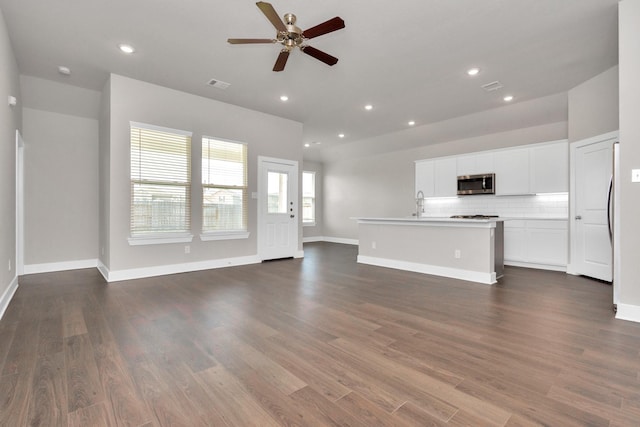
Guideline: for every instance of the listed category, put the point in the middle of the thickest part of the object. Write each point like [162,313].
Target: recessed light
[65,71]
[341,135]
[307,145]
[508,98]
[368,107]
[411,123]
[284,98]
[473,71]
[125,48]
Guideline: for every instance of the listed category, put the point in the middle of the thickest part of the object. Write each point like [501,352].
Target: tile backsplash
[534,206]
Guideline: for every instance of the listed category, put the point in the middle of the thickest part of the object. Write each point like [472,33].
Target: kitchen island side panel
[430,245]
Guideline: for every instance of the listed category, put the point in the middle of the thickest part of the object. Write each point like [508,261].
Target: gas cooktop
[474,216]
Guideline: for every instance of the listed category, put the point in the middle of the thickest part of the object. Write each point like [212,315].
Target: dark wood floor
[318,341]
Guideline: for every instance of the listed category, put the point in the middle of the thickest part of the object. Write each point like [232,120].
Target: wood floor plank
[307,371]
[271,372]
[48,401]
[237,406]
[84,387]
[324,410]
[7,332]
[163,402]
[414,415]
[91,416]
[367,412]
[121,397]
[73,320]
[14,389]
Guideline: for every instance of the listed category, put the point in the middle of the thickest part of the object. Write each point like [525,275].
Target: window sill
[309,224]
[224,235]
[160,239]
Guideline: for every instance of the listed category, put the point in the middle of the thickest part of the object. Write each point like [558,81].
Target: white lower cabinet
[536,243]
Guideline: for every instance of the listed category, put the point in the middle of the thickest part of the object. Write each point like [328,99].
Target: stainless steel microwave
[477,184]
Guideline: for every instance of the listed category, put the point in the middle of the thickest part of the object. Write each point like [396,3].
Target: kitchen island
[467,249]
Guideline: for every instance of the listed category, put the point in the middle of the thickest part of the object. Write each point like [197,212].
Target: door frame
[19,257]
[610,137]
[262,160]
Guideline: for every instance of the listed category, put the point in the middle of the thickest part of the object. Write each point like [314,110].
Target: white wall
[593,106]
[10,120]
[315,230]
[133,100]
[60,189]
[383,185]
[629,302]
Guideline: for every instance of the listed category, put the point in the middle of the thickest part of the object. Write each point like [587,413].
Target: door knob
[291,216]
[578,217]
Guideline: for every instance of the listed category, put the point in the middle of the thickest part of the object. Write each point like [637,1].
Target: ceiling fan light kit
[290,36]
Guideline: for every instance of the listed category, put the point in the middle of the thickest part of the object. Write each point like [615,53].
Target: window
[224,187]
[160,182]
[308,198]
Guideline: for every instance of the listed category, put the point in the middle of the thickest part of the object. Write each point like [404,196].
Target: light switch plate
[635,175]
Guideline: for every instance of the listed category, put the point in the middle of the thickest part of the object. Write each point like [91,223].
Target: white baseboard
[60,266]
[5,299]
[628,312]
[161,270]
[537,266]
[299,254]
[454,273]
[340,240]
[312,239]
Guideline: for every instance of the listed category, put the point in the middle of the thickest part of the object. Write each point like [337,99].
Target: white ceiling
[408,58]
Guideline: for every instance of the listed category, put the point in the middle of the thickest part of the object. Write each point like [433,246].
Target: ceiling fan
[290,36]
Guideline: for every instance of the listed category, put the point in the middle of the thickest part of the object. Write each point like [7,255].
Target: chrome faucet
[419,204]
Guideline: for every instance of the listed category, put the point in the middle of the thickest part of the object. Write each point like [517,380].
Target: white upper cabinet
[512,172]
[529,169]
[446,177]
[425,177]
[474,164]
[549,168]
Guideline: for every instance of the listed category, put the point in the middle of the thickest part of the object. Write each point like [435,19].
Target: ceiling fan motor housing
[293,37]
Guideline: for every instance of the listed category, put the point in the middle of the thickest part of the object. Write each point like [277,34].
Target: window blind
[224,185]
[160,180]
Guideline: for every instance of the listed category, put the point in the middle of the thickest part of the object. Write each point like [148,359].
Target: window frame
[313,222]
[157,236]
[228,234]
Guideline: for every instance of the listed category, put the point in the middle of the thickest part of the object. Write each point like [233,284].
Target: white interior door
[278,208]
[592,247]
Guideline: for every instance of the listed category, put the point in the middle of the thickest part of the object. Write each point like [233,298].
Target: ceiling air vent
[490,87]
[218,84]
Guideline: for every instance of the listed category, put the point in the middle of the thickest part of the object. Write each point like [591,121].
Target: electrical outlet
[102,250]
[9,264]
[187,249]
[373,245]
[635,175]
[457,254]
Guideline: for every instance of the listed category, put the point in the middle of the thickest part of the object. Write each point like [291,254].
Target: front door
[592,246]
[278,208]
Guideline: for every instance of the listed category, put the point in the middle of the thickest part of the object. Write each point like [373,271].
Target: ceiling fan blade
[272,15]
[319,55]
[332,24]
[281,61]
[248,41]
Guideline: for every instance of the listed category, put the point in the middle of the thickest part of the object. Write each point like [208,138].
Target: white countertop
[433,221]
